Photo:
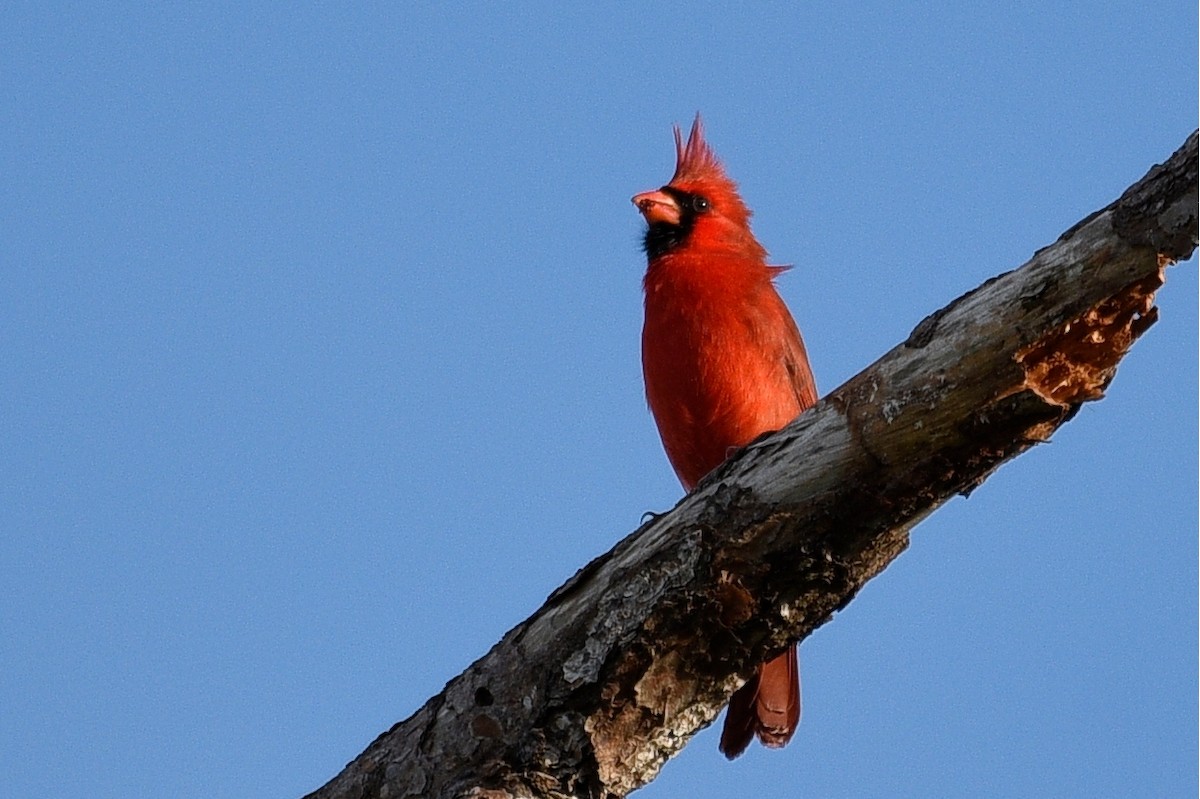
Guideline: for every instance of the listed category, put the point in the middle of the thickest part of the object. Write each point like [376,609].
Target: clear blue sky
[320,337]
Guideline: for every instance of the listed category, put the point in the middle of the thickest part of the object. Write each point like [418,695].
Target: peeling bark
[643,646]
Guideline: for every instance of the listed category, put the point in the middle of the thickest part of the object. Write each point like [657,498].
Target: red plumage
[723,363]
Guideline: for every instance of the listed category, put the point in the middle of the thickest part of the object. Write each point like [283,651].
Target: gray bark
[643,646]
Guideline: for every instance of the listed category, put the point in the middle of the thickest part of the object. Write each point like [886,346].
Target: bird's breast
[715,374]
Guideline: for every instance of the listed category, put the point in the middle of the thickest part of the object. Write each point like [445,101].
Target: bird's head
[699,207]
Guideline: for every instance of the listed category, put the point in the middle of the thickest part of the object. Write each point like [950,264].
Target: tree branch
[643,646]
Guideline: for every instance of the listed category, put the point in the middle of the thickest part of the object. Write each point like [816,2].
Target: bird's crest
[695,160]
[697,169]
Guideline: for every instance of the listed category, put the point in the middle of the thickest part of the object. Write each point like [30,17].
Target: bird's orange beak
[657,206]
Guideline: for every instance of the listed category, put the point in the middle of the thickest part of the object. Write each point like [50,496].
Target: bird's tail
[768,706]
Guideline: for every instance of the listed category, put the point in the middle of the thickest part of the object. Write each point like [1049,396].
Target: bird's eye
[699,204]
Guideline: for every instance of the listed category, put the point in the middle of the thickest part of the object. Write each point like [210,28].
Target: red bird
[723,363]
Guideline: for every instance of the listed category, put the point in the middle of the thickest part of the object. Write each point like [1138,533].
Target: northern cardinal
[723,363]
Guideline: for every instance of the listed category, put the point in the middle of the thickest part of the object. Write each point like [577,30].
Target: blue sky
[320,330]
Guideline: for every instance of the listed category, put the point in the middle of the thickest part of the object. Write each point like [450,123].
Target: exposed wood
[643,646]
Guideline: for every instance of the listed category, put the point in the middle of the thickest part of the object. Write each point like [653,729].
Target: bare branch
[643,646]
